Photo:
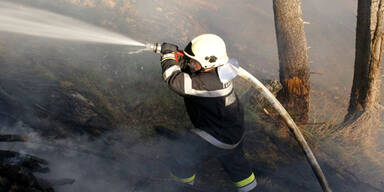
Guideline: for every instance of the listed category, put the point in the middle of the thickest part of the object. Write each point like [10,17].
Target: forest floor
[130,161]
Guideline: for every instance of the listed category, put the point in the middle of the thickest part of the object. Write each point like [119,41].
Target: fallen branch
[311,123]
[22,158]
[12,138]
[316,73]
[56,182]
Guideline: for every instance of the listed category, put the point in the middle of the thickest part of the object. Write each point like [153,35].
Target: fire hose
[156,47]
[291,124]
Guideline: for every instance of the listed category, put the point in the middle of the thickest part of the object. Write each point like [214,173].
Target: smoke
[118,161]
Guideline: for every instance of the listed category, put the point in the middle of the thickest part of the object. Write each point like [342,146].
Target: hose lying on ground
[291,124]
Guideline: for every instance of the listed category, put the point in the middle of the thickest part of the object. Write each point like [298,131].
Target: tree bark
[293,58]
[365,94]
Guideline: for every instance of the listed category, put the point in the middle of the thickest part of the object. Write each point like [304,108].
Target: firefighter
[213,108]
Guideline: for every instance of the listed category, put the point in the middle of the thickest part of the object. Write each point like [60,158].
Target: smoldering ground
[115,162]
[124,161]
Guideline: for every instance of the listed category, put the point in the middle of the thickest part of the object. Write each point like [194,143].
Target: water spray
[16,18]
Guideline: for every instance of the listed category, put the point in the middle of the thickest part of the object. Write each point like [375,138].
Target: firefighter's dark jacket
[212,106]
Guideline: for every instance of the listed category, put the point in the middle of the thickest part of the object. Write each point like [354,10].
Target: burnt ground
[138,164]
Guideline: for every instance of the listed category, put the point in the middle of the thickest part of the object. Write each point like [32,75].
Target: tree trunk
[362,129]
[293,58]
[365,94]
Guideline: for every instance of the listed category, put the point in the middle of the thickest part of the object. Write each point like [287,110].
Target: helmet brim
[188,51]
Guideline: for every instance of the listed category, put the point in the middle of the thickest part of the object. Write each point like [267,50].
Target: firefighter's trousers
[190,150]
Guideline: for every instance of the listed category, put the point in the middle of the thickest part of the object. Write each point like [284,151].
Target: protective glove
[168,48]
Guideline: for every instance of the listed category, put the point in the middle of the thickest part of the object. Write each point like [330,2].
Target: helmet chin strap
[208,69]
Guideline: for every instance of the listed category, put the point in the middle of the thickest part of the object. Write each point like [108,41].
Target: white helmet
[208,49]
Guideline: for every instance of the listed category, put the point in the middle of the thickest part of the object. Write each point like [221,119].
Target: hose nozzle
[156,47]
